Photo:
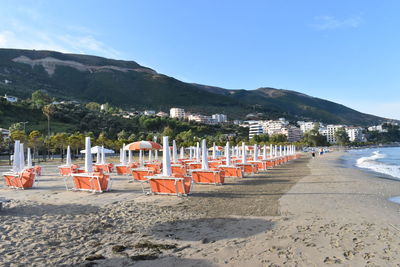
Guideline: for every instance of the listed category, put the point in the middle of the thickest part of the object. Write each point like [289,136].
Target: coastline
[308,212]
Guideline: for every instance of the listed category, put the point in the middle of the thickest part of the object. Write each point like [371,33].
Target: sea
[384,162]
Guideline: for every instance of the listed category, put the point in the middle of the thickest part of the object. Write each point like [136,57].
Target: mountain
[130,85]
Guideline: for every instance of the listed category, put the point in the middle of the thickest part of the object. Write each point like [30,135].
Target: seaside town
[199,133]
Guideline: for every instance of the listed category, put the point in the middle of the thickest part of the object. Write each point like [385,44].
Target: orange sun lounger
[93,182]
[122,169]
[24,180]
[248,168]
[232,171]
[156,167]
[178,170]
[108,167]
[208,177]
[140,174]
[193,166]
[179,186]
[67,171]
[261,165]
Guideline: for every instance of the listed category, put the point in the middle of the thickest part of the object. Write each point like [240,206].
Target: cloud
[330,22]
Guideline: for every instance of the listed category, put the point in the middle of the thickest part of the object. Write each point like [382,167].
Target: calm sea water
[381,161]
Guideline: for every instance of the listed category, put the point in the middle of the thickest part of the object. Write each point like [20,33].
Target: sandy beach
[309,212]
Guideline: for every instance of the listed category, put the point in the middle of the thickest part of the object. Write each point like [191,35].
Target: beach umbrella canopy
[28,158]
[16,158]
[68,161]
[88,156]
[204,156]
[166,158]
[143,145]
[97,149]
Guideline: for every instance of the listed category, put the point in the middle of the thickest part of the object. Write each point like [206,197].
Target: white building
[355,134]
[149,112]
[306,126]
[293,133]
[331,131]
[255,129]
[220,118]
[162,114]
[378,128]
[10,98]
[178,113]
[201,118]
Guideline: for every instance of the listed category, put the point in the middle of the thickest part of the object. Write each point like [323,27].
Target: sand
[309,212]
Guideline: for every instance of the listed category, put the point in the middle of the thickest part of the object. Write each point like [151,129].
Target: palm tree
[48,111]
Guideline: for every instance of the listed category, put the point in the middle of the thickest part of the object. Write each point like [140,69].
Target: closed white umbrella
[98,156]
[264,157]
[244,159]
[213,151]
[227,154]
[166,158]
[155,151]
[88,156]
[182,154]
[198,151]
[204,156]
[68,160]
[271,154]
[103,155]
[255,155]
[174,152]
[276,151]
[16,157]
[22,157]
[280,151]
[130,156]
[150,156]
[123,157]
[141,161]
[28,158]
[190,153]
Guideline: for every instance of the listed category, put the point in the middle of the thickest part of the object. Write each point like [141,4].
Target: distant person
[321,152]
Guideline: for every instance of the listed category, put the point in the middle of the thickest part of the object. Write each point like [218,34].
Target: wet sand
[305,213]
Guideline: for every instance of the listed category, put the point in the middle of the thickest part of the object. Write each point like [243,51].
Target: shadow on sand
[210,229]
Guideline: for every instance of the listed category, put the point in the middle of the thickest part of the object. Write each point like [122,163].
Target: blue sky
[344,51]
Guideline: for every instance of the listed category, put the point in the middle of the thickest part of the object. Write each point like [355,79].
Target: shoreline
[308,212]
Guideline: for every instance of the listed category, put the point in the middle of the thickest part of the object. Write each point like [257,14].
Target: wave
[372,163]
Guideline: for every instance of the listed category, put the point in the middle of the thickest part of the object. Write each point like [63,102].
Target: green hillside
[129,85]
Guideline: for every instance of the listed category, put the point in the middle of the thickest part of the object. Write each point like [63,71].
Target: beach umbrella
[16,158]
[68,160]
[141,161]
[276,151]
[213,151]
[244,159]
[129,156]
[182,154]
[280,151]
[156,151]
[264,156]
[197,151]
[255,154]
[123,157]
[103,155]
[204,155]
[150,156]
[142,145]
[166,158]
[28,158]
[98,156]
[88,156]
[227,154]
[271,154]
[174,152]
[22,157]
[97,149]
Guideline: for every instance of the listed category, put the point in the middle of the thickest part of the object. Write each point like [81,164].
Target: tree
[93,106]
[35,141]
[342,137]
[48,111]
[168,132]
[278,138]
[40,98]
[18,135]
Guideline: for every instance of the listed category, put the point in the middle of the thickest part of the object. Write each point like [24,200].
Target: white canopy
[97,149]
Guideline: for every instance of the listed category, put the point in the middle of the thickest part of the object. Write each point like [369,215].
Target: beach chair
[38,170]
[214,164]
[208,177]
[107,168]
[248,168]
[23,180]
[156,167]
[92,182]
[232,171]
[179,186]
[193,166]
[122,169]
[178,170]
